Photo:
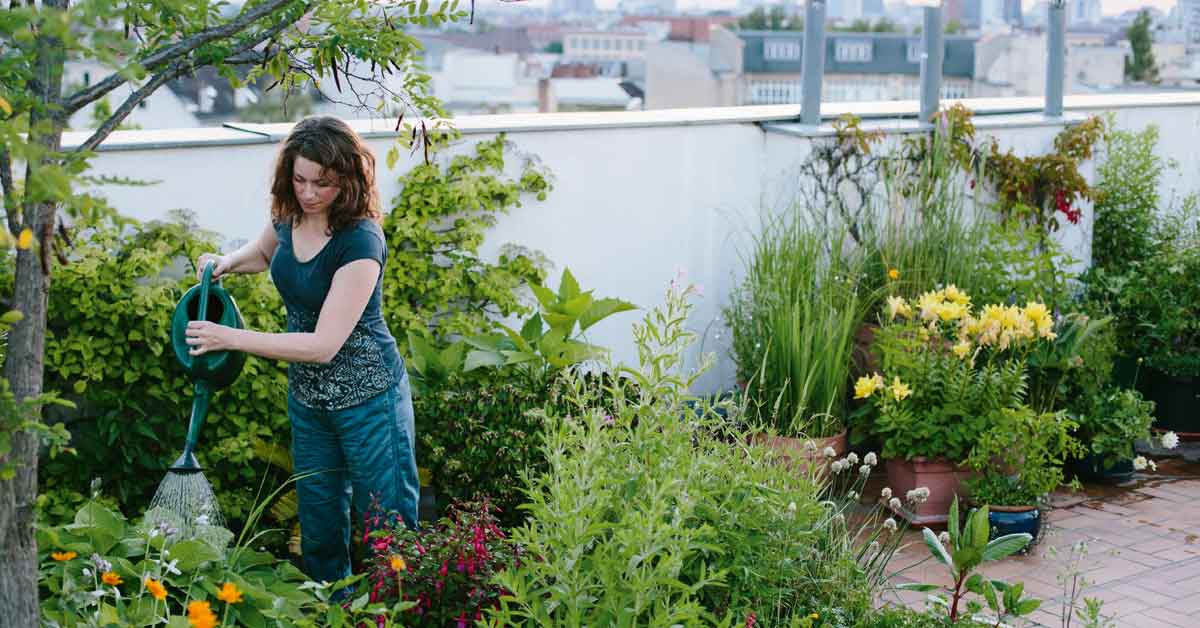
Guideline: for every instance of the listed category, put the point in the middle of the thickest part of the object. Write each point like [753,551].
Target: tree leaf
[478,359]
[601,310]
[917,586]
[568,287]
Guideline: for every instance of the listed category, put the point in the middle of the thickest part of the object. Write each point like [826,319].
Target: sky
[1108,7]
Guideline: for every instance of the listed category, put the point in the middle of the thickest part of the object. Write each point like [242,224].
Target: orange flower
[229,594]
[111,578]
[63,556]
[156,589]
[25,240]
[200,615]
[398,563]
[893,274]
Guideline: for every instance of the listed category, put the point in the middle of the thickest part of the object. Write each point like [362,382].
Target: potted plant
[1019,461]
[1108,427]
[793,318]
[948,374]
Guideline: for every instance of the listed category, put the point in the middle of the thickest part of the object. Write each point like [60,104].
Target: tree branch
[173,52]
[132,101]
[177,69]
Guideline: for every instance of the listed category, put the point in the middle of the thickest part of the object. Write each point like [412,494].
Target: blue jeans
[364,453]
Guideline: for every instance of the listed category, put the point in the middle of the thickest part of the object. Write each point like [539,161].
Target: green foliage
[649,516]
[1142,66]
[962,551]
[793,319]
[1020,458]
[437,282]
[1128,200]
[100,543]
[1110,424]
[548,341]
[109,319]
[1020,263]
[478,434]
[776,18]
[1058,367]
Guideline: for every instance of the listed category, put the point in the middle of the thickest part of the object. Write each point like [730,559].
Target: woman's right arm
[253,257]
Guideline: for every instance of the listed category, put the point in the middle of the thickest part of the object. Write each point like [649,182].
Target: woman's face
[315,187]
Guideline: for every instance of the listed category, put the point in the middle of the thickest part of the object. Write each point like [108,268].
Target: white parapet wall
[637,196]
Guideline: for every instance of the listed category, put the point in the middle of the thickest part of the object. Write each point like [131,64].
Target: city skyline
[1108,7]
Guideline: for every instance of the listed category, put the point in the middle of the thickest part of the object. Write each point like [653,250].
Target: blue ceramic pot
[1014,520]
[1091,468]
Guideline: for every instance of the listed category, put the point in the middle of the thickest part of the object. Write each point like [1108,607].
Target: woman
[348,394]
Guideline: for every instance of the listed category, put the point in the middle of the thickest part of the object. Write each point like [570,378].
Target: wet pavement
[1142,551]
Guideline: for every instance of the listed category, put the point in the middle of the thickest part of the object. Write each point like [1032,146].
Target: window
[781,49]
[642,45]
[774,92]
[853,51]
[607,44]
[915,50]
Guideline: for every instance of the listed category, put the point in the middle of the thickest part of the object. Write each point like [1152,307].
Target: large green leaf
[952,524]
[936,548]
[193,553]
[568,287]
[1006,545]
[602,309]
[477,359]
[101,526]
[917,586]
[531,331]
[544,296]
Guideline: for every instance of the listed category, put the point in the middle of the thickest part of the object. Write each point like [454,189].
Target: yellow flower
[899,390]
[229,593]
[25,240]
[63,556]
[200,615]
[929,303]
[156,589]
[893,274]
[962,349]
[864,387]
[951,311]
[897,305]
[111,578]
[814,616]
[954,295]
[398,563]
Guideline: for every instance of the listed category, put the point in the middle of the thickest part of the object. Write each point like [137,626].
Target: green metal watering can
[210,372]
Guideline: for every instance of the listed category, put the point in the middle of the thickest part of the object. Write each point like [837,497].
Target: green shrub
[108,347]
[476,435]
[655,514]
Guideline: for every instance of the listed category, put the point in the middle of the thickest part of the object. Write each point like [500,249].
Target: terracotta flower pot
[943,478]
[791,448]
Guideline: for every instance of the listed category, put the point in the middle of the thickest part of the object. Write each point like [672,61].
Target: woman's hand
[204,336]
[221,264]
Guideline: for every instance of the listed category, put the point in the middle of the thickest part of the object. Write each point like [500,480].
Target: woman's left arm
[349,293]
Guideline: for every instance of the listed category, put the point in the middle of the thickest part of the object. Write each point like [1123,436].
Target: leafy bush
[655,514]
[445,569]
[477,435]
[1112,422]
[108,347]
[102,570]
[436,280]
[1020,458]
[1128,199]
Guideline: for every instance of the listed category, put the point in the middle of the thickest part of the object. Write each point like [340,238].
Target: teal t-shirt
[369,362]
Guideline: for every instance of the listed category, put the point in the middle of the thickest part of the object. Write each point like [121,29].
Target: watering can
[210,372]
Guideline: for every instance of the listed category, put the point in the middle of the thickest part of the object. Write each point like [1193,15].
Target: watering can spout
[186,463]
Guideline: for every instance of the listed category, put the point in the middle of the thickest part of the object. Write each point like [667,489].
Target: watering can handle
[205,282]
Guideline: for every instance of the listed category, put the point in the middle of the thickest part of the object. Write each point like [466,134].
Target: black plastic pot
[1014,520]
[1091,468]
[1176,402]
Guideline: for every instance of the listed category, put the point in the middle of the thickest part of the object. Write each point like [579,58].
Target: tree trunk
[26,353]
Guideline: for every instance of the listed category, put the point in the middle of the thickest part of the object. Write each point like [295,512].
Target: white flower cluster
[918,495]
[1170,440]
[889,524]
[1140,463]
[885,494]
